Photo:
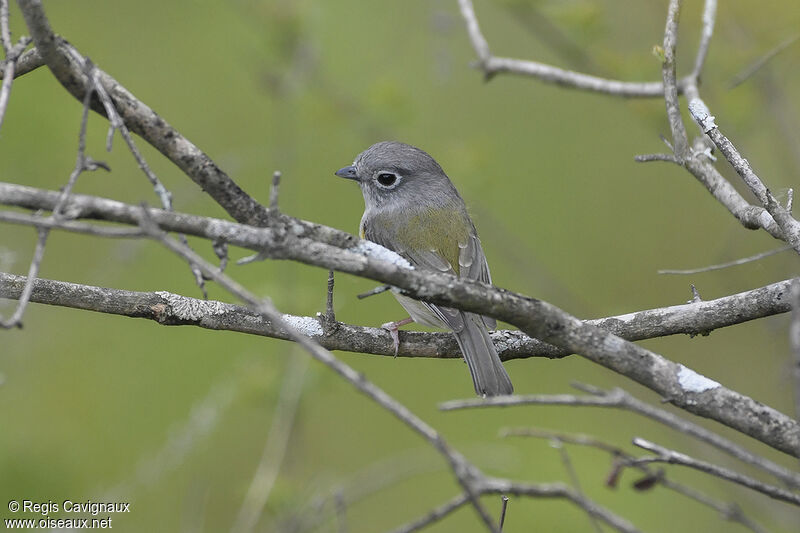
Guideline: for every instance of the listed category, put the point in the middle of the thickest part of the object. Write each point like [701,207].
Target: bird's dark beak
[347,172]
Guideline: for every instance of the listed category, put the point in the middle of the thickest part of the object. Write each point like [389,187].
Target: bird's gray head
[395,174]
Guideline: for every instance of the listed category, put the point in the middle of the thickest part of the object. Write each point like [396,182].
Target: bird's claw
[393,329]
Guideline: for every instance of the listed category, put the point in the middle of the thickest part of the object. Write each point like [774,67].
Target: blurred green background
[174,420]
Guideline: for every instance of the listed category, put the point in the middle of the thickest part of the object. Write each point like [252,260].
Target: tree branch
[790,227]
[664,455]
[697,318]
[618,398]
[140,119]
[556,490]
[466,473]
[491,66]
[286,238]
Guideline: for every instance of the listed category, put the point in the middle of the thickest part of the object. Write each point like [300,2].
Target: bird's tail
[488,374]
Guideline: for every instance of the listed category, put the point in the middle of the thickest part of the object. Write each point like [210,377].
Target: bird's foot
[393,328]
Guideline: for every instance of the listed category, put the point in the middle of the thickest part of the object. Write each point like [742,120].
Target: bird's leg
[392,328]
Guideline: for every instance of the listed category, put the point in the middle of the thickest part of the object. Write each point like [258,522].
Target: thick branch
[287,239]
[173,309]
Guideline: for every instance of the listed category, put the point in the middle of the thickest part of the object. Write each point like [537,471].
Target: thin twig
[709,16]
[647,158]
[720,266]
[273,191]
[330,315]
[491,66]
[794,342]
[10,63]
[96,230]
[621,399]
[573,475]
[43,232]
[182,438]
[140,119]
[622,459]
[117,124]
[789,226]
[665,455]
[435,515]
[680,141]
[754,67]
[464,471]
[558,490]
[503,510]
[373,292]
[5,29]
[266,473]
[341,512]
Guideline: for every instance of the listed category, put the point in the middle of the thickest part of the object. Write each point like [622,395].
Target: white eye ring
[386,179]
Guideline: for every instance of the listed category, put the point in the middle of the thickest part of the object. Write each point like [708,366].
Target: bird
[412,208]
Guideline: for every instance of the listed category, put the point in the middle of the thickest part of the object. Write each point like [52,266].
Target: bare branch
[434,515]
[465,472]
[788,225]
[557,490]
[680,141]
[13,217]
[665,455]
[176,310]
[43,232]
[729,264]
[647,158]
[709,17]
[536,318]
[623,459]
[373,292]
[141,120]
[330,314]
[272,456]
[618,398]
[27,62]
[491,66]
[751,69]
[12,53]
[691,319]
[794,342]
[573,475]
[503,511]
[273,190]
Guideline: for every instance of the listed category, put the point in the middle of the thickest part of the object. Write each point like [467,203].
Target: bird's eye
[386,179]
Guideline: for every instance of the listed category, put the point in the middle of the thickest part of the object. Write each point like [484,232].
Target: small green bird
[412,208]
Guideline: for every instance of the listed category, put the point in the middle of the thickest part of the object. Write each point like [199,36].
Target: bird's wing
[467,251]
[422,257]
[473,265]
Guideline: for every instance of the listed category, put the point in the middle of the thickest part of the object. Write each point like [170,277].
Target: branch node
[273,191]
[695,295]
[702,115]
[328,320]
[647,158]
[220,248]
